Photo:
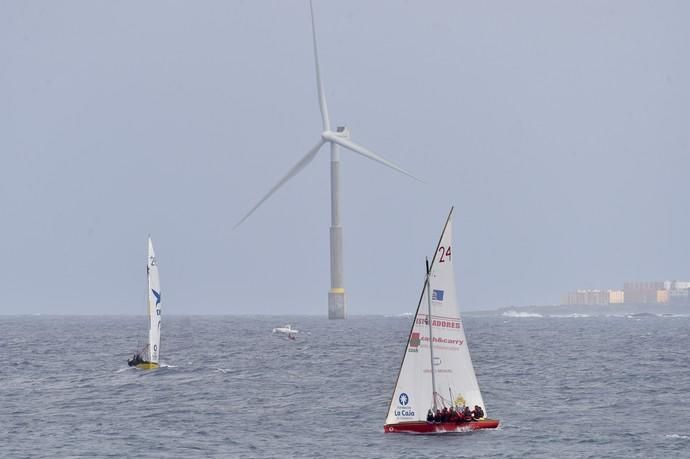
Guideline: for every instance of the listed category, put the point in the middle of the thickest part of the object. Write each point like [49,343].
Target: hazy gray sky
[559,130]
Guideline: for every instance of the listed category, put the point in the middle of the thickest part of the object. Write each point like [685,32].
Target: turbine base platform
[336,303]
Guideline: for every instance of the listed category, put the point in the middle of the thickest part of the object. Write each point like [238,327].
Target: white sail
[453,373]
[154,305]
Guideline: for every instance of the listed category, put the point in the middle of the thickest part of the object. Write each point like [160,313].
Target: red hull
[424,427]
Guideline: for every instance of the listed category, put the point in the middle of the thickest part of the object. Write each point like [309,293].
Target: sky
[558,130]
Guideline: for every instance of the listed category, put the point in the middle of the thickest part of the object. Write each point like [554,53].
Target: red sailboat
[437,390]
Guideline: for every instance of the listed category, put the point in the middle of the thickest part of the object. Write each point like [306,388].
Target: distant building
[662,296]
[676,285]
[616,297]
[678,296]
[590,297]
[644,292]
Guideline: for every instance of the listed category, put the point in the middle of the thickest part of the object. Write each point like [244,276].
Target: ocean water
[561,386]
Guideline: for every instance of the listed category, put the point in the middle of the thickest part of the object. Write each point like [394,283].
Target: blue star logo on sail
[158,296]
[404,410]
[437,295]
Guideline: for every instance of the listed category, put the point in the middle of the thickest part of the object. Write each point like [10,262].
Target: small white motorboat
[286,330]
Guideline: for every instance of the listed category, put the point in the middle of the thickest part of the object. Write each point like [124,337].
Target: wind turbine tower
[338,138]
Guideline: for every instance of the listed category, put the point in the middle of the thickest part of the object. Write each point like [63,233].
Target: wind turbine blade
[319,83]
[368,154]
[291,173]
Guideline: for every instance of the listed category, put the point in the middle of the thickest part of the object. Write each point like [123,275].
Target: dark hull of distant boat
[423,427]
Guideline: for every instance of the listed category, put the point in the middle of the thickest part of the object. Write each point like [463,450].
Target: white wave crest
[574,315]
[520,314]
[403,315]
[678,436]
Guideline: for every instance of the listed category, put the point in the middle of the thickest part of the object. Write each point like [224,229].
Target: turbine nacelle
[336,137]
[341,132]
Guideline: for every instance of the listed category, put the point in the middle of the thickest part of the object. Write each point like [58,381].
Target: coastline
[585,310]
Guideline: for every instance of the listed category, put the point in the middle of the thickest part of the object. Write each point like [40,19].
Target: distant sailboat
[436,381]
[148,357]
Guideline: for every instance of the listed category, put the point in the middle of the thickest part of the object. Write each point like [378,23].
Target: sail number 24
[445,252]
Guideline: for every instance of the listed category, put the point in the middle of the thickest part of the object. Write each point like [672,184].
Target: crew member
[437,416]
[478,412]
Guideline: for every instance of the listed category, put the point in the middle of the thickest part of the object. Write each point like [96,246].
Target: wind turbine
[338,138]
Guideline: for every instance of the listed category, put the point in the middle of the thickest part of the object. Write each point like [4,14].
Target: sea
[568,386]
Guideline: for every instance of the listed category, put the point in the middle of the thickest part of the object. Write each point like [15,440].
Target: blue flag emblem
[158,297]
[437,295]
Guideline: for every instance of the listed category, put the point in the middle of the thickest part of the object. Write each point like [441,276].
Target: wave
[403,315]
[521,314]
[640,315]
[574,315]
[678,436]
[663,315]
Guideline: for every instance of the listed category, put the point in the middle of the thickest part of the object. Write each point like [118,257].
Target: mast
[431,337]
[148,300]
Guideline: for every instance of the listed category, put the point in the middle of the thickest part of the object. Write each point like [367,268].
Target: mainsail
[154,306]
[437,330]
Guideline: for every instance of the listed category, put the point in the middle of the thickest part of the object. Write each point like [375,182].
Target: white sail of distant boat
[149,356]
[436,371]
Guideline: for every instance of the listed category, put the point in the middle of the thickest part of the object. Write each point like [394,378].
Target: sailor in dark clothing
[134,361]
[467,414]
[444,414]
[478,412]
[452,415]
[430,416]
[437,416]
